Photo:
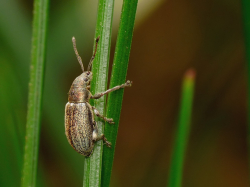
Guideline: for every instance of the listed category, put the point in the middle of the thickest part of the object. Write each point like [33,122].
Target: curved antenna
[93,56]
[76,52]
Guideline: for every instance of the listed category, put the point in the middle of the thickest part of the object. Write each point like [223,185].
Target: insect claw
[108,144]
[129,83]
[110,121]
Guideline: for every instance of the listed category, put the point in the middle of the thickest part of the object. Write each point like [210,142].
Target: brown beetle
[80,127]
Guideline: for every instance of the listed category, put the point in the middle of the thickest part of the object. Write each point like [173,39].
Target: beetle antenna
[76,52]
[93,56]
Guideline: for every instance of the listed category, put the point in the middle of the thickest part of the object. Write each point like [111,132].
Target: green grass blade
[246,20]
[181,141]
[93,164]
[118,77]
[35,93]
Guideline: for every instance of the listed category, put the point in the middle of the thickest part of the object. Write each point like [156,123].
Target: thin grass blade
[246,21]
[118,77]
[29,172]
[93,164]
[181,141]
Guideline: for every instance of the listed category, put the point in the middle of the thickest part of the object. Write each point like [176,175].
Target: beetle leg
[98,95]
[97,113]
[102,137]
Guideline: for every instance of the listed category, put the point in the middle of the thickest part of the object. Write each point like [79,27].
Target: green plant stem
[118,77]
[35,93]
[93,164]
[246,21]
[181,141]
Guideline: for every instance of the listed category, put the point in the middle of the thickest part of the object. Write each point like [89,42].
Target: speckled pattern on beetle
[80,127]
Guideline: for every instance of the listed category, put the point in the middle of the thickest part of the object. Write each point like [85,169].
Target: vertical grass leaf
[118,77]
[93,164]
[35,93]
[181,141]
[246,21]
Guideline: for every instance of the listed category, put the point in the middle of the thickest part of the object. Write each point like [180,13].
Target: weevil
[80,127]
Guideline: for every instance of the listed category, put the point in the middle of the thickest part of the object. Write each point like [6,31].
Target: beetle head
[83,80]
[86,77]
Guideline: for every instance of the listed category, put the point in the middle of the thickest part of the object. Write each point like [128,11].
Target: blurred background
[169,38]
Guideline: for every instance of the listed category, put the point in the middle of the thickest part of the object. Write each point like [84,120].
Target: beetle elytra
[80,127]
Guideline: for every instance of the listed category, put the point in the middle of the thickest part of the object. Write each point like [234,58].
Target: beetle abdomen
[79,128]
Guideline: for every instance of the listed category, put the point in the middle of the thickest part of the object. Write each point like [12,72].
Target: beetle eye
[88,73]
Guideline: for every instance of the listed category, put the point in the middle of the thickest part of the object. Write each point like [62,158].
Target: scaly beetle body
[80,127]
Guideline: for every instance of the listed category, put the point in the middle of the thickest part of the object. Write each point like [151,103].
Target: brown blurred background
[205,35]
[169,38]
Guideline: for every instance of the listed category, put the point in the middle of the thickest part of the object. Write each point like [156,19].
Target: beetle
[80,127]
